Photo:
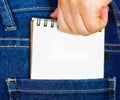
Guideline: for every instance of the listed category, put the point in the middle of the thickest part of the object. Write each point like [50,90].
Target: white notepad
[59,55]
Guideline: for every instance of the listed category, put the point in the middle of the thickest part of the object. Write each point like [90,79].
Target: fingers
[70,20]
[68,17]
[82,17]
[104,14]
[61,22]
[104,11]
[96,18]
[54,14]
[78,22]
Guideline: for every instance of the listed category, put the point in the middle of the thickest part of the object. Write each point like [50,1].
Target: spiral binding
[45,22]
[52,22]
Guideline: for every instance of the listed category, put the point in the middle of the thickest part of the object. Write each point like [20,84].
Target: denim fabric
[15,16]
[99,89]
[112,45]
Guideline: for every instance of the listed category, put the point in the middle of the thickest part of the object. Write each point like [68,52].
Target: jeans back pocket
[90,89]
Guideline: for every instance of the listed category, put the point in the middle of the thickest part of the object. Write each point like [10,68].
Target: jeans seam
[32,8]
[11,80]
[57,91]
[112,93]
[8,86]
[112,44]
[14,39]
[8,13]
[112,50]
[116,14]
[14,46]
[117,23]
[4,21]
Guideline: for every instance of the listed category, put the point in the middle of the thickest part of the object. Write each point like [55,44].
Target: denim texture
[99,89]
[112,45]
[15,16]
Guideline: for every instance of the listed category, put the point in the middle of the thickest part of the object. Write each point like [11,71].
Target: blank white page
[59,55]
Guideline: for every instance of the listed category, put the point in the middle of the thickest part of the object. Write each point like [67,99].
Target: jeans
[99,89]
[112,45]
[15,59]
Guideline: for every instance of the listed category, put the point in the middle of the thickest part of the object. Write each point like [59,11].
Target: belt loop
[7,17]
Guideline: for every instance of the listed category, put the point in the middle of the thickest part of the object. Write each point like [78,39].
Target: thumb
[54,14]
[103,17]
[104,14]
[106,2]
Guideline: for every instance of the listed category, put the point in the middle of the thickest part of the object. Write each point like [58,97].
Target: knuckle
[94,28]
[86,34]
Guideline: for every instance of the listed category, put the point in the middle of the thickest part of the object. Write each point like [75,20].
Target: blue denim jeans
[15,58]
[99,89]
[112,45]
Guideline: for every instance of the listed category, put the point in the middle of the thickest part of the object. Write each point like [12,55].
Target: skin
[81,17]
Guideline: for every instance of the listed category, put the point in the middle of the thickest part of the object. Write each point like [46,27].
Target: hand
[82,17]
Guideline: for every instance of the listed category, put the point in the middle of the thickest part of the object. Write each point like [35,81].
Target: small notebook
[59,55]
